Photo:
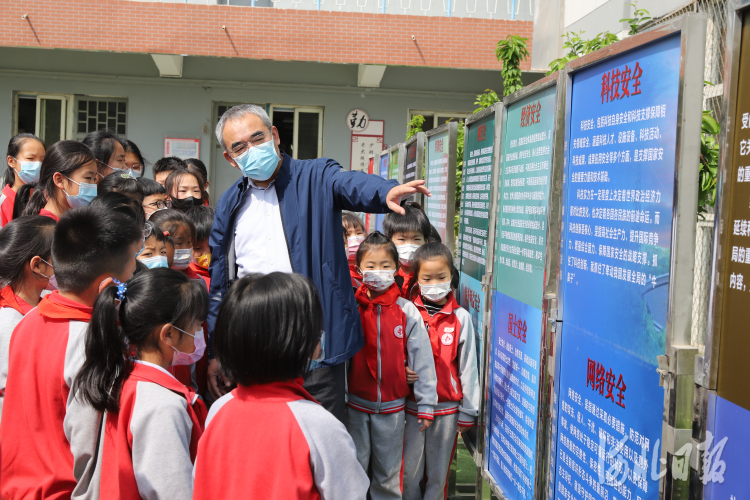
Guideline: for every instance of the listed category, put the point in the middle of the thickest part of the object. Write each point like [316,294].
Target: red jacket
[404,285]
[150,445]
[394,336]
[48,436]
[453,345]
[274,441]
[7,202]
[356,277]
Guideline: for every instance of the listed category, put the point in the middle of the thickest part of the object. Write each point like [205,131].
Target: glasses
[159,204]
[256,140]
[136,166]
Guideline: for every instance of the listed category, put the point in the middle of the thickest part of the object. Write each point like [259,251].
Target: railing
[521,10]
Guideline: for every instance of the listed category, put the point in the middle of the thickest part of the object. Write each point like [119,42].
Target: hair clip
[122,288]
[166,233]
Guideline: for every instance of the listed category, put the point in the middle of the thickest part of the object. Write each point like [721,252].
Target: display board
[414,162]
[618,277]
[727,341]
[396,162]
[514,426]
[440,179]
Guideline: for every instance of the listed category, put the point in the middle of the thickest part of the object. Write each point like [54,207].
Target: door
[51,116]
[300,130]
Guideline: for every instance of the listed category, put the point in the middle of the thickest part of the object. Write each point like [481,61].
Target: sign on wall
[440,179]
[365,143]
[182,148]
[512,423]
[357,120]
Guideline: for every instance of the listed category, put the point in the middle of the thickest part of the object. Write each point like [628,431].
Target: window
[96,113]
[433,119]
[300,130]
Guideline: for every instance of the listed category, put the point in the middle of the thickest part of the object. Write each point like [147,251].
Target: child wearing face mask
[429,454]
[408,232]
[24,158]
[354,235]
[203,219]
[153,422]
[49,436]
[25,256]
[182,231]
[185,189]
[377,388]
[154,254]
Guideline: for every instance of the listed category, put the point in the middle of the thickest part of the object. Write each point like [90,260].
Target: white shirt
[259,241]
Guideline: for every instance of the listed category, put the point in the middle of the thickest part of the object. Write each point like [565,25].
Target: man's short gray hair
[237,112]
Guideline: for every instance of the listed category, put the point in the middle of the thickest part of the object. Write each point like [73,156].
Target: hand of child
[425,424]
[217,386]
[411,376]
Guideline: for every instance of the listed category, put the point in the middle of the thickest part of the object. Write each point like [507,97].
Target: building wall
[159,108]
[255,33]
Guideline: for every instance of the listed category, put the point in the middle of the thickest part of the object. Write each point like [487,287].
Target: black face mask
[186,204]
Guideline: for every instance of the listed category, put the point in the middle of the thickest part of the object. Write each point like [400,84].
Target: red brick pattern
[256,33]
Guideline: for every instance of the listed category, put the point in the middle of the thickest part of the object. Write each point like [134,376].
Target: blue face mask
[29,171]
[155,262]
[86,194]
[259,163]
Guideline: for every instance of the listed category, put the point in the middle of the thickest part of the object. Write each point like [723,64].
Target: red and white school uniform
[48,435]
[12,310]
[7,203]
[275,441]
[150,445]
[429,453]
[394,337]
[356,277]
[402,280]
[49,214]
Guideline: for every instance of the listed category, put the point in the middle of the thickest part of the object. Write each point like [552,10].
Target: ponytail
[150,300]
[22,199]
[36,203]
[107,362]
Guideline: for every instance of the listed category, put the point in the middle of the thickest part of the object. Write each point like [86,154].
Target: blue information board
[617,226]
[382,171]
[725,476]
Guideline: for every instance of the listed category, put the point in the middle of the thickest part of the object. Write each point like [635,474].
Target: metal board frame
[551,259]
[496,110]
[692,30]
[419,138]
[450,209]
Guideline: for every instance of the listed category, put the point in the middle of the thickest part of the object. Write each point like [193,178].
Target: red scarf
[55,306]
[8,299]
[368,308]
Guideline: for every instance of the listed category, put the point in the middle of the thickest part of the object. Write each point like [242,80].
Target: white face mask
[406,253]
[378,280]
[435,292]
[182,258]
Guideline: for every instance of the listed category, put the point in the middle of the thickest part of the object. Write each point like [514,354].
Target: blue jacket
[312,194]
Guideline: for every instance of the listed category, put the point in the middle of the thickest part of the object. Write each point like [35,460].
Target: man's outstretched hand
[402,191]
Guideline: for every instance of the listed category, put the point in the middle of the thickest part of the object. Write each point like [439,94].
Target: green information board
[476,188]
[523,197]
[395,162]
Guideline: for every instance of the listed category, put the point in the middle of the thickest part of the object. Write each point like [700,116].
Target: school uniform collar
[450,306]
[199,270]
[288,390]
[55,306]
[9,193]
[8,299]
[389,297]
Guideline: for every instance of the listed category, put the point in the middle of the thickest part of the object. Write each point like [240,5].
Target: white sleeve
[333,458]
[161,429]
[9,318]
[82,424]
[468,372]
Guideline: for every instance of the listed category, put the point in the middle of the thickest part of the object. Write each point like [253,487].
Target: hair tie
[166,233]
[122,288]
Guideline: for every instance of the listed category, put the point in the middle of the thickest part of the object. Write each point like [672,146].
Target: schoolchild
[186,189]
[428,454]
[202,218]
[67,180]
[123,204]
[49,436]
[153,422]
[182,232]
[267,333]
[154,196]
[354,234]
[109,151]
[134,160]
[198,168]
[154,254]
[408,232]
[24,158]
[25,256]
[165,166]
[121,183]
[394,336]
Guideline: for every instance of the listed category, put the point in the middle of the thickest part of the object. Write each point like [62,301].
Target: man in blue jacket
[285,215]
